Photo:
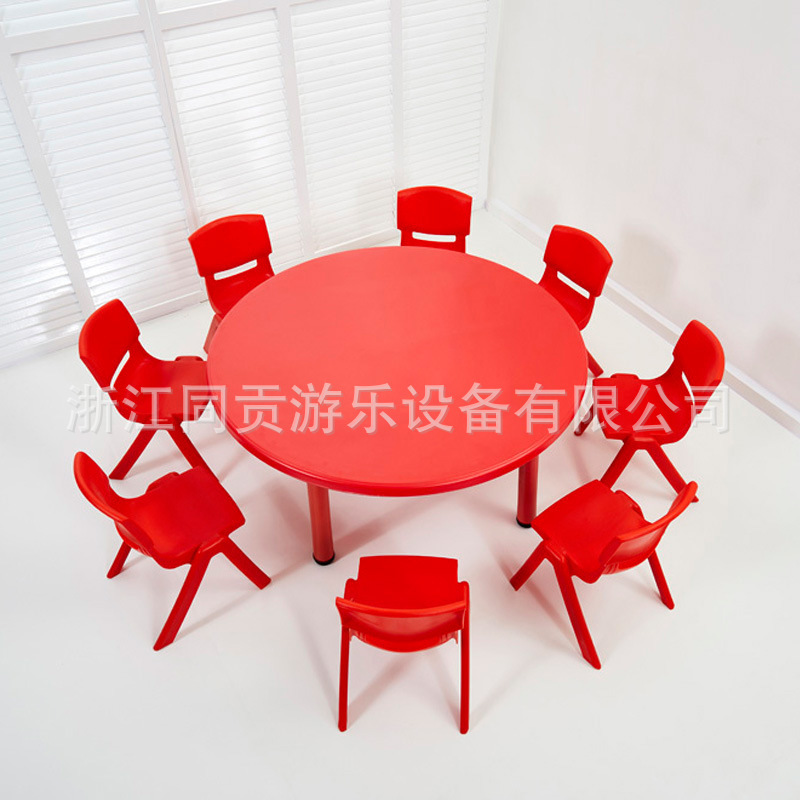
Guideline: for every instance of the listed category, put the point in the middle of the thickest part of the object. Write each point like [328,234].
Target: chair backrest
[106,338]
[412,599]
[96,488]
[629,549]
[435,211]
[699,356]
[229,242]
[578,256]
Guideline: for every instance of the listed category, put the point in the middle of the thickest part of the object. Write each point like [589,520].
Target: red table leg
[526,492]
[321,535]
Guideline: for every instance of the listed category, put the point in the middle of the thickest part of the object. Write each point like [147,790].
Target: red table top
[406,317]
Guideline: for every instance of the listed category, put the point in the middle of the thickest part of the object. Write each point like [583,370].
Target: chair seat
[183,513]
[580,525]
[621,411]
[155,374]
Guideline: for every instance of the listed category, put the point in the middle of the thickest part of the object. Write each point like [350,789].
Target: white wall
[671,131]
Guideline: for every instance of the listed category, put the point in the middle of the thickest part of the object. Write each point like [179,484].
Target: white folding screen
[124,125]
[38,301]
[344,76]
[444,53]
[230,96]
[97,113]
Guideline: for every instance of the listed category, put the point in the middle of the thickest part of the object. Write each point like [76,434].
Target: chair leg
[464,726]
[585,422]
[668,469]
[595,368]
[239,560]
[188,450]
[619,463]
[526,570]
[661,581]
[119,561]
[189,589]
[344,668]
[576,615]
[134,451]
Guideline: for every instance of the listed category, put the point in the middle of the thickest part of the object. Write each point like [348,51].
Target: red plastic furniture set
[396,603]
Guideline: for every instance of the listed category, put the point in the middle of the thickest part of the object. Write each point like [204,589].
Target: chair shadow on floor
[441,692]
[358,537]
[326,668]
[390,674]
[637,581]
[282,515]
[247,595]
[507,564]
[502,687]
[447,679]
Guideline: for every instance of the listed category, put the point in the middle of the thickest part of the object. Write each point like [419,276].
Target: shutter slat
[28,16]
[123,258]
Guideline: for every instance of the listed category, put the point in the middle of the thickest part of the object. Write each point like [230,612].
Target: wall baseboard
[750,389]
[519,223]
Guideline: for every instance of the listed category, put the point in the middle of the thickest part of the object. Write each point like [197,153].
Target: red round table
[384,327]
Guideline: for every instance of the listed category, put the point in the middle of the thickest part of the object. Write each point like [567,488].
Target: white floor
[699,702]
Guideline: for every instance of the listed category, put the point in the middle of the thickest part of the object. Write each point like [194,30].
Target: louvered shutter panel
[37,302]
[96,109]
[343,57]
[229,89]
[30,16]
[444,62]
[136,140]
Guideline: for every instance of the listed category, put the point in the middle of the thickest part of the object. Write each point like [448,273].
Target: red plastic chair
[594,531]
[181,519]
[158,394]
[580,258]
[404,604]
[224,245]
[434,211]
[646,414]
